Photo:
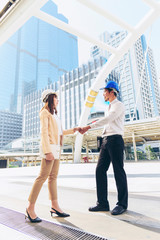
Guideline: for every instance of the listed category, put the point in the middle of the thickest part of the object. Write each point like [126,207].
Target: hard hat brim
[110,88]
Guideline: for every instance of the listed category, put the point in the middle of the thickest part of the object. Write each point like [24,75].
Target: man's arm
[115,112]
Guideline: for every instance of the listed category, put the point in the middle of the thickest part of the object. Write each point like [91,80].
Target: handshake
[81,130]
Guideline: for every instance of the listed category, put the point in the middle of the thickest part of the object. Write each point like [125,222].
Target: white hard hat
[46,93]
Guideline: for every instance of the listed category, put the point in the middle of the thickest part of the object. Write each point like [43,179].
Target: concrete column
[24,144]
[73,151]
[78,146]
[7,162]
[27,161]
[134,147]
[87,149]
[35,161]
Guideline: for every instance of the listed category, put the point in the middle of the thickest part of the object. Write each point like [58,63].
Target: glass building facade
[10,127]
[138,81]
[35,56]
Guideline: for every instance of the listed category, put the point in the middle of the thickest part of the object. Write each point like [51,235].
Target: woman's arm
[61,140]
[44,132]
[71,131]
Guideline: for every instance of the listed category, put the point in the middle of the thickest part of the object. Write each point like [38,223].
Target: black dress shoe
[59,213]
[118,210]
[32,220]
[98,208]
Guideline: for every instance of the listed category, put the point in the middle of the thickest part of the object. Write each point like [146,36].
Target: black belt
[112,136]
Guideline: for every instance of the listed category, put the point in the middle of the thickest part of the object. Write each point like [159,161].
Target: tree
[151,155]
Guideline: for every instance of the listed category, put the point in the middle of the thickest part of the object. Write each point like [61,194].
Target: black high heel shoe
[35,220]
[58,213]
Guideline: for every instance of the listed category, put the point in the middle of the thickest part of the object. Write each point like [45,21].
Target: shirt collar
[114,101]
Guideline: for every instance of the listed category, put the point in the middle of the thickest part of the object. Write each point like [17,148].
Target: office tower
[139,84]
[72,89]
[10,127]
[35,56]
[155,91]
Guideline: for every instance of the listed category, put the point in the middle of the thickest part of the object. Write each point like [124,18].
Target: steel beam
[66,27]
[107,14]
[17,17]
[152,3]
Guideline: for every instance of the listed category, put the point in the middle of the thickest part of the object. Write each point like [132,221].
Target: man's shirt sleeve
[115,111]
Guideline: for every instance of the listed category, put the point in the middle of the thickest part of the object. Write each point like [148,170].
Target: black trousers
[112,150]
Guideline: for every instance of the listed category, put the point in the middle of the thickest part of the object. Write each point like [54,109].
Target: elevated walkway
[76,190]
[136,132]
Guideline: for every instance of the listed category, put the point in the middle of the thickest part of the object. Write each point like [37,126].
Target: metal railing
[33,159]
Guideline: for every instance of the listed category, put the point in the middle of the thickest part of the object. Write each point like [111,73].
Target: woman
[51,134]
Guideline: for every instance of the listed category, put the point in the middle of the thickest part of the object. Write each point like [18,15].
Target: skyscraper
[10,127]
[35,56]
[139,83]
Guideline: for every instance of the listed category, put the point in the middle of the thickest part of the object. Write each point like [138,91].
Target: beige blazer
[49,130]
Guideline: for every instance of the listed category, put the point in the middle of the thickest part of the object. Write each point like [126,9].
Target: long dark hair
[51,106]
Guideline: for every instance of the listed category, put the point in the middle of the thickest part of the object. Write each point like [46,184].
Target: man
[112,149]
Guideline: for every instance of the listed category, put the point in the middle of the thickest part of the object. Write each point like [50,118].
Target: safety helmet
[113,85]
[46,93]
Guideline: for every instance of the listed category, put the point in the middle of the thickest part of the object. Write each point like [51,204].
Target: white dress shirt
[113,121]
[59,124]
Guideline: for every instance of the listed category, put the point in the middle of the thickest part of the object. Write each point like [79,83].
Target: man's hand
[76,129]
[49,156]
[84,129]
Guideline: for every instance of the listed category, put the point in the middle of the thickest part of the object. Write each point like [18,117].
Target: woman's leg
[52,186]
[46,167]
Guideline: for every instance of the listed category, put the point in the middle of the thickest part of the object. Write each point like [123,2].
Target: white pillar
[134,147]
[73,151]
[87,149]
[78,146]
[79,137]
[7,162]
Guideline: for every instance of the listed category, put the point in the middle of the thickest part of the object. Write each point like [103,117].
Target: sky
[87,21]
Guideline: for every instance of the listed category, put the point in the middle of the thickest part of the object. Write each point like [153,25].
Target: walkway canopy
[142,131]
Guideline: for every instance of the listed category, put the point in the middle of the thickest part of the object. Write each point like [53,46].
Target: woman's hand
[49,156]
[61,140]
[76,129]
[84,129]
